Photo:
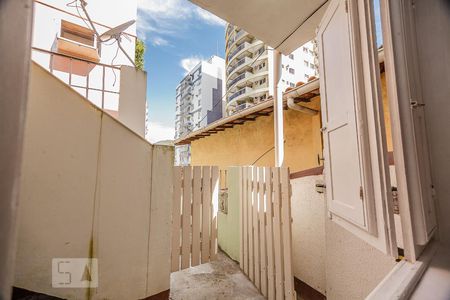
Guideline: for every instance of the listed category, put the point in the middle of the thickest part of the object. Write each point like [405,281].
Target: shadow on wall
[89,191]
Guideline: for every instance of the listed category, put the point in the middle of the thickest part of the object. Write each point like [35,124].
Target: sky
[177,35]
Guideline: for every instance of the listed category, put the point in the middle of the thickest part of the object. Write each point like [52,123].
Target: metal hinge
[361,193]
[346,6]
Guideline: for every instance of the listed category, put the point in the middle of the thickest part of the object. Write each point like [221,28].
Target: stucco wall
[91,188]
[132,98]
[353,267]
[386,112]
[308,232]
[228,224]
[245,144]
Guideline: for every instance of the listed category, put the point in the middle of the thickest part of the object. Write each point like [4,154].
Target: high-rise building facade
[249,69]
[199,101]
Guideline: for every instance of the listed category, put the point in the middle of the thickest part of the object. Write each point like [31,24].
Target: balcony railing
[239,78]
[97,82]
[239,93]
[238,64]
[238,49]
[242,107]
[239,34]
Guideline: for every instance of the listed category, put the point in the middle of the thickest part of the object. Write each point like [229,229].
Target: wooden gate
[266,238]
[194,216]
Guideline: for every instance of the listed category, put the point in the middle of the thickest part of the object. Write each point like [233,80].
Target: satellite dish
[115,32]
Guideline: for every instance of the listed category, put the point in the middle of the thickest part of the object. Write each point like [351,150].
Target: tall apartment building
[199,101]
[249,69]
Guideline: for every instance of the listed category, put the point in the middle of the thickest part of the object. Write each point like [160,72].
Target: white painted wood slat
[206,214]
[196,214]
[186,219]
[278,246]
[266,231]
[245,217]
[214,209]
[251,266]
[287,233]
[269,235]
[176,219]
[262,231]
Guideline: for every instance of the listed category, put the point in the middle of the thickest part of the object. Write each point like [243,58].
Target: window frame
[77,30]
[398,26]
[380,230]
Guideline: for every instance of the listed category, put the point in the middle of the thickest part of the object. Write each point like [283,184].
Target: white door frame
[402,85]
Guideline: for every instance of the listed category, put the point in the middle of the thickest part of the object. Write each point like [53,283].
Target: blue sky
[177,35]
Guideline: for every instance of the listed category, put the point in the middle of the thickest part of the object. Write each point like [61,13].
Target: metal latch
[320,186]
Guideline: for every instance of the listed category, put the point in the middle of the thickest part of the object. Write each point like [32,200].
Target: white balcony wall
[132,99]
[47,23]
[48,15]
[91,188]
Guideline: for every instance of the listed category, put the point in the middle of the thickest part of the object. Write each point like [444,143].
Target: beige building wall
[132,98]
[308,232]
[353,267]
[91,188]
[228,223]
[253,143]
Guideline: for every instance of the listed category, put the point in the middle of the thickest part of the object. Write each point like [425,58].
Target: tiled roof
[303,92]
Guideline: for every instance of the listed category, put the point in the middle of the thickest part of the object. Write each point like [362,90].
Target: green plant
[139,54]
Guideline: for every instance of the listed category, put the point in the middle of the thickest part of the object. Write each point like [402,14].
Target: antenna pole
[83,6]
[124,52]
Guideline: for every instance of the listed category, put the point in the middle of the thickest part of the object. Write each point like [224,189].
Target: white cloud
[209,17]
[159,41]
[166,18]
[159,132]
[189,63]
[164,8]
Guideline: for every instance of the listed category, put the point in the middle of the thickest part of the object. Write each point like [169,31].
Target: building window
[291,71]
[291,56]
[306,63]
[77,33]
[305,50]
[291,84]
[260,66]
[306,76]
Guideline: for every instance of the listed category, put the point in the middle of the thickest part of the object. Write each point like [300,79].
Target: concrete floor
[221,279]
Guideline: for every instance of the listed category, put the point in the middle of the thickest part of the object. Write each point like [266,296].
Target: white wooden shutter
[424,211]
[416,155]
[340,105]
